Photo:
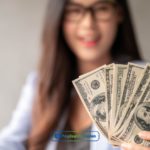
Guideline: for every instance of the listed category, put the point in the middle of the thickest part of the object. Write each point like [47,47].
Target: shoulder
[30,82]
[28,91]
[32,78]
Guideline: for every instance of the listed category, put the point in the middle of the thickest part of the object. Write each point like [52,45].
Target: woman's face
[91,33]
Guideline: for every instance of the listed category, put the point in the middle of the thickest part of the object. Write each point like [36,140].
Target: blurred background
[21,24]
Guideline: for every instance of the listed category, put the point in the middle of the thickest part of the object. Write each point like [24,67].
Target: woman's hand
[144,135]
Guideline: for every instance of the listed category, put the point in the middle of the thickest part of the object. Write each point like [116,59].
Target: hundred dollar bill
[137,96]
[91,90]
[139,120]
[134,73]
[109,75]
[109,85]
[118,84]
[102,68]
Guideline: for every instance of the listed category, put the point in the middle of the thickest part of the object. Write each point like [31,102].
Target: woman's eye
[103,8]
[73,10]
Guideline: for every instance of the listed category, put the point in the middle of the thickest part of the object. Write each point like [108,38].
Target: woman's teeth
[89,39]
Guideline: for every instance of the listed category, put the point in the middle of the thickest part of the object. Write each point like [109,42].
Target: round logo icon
[138,140]
[95,84]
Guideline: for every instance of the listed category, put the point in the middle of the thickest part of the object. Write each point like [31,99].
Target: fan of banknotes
[117,98]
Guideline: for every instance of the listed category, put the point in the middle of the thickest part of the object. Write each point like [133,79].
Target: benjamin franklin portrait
[142,116]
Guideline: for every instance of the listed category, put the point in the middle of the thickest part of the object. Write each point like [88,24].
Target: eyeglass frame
[90,9]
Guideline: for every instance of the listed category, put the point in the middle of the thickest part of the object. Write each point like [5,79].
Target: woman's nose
[87,21]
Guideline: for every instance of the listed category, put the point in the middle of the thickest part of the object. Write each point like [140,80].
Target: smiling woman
[90,29]
[78,36]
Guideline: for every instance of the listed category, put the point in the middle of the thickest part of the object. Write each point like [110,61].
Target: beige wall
[141,16]
[20,29]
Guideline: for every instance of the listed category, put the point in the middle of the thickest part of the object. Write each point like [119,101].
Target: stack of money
[117,98]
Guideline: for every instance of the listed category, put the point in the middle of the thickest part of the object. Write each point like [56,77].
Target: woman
[78,36]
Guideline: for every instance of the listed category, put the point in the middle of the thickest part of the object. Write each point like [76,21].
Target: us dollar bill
[91,90]
[139,120]
[102,68]
[136,98]
[134,73]
[109,74]
[117,98]
[120,72]
[109,85]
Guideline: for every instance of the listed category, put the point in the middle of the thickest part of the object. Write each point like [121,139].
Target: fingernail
[125,145]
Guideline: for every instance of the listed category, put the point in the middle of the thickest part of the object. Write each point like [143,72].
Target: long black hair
[125,47]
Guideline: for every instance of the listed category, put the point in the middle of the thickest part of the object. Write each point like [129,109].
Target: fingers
[127,146]
[145,135]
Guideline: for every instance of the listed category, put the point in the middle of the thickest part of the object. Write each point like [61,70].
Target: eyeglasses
[100,11]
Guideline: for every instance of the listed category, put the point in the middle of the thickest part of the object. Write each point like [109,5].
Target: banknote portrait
[142,116]
[98,107]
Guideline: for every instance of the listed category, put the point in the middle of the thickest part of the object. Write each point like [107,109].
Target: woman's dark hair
[57,68]
[125,47]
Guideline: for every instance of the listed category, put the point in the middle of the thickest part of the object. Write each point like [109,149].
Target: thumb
[145,135]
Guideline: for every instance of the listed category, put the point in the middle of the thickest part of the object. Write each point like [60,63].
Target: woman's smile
[89,41]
